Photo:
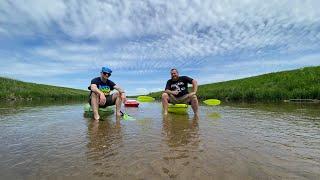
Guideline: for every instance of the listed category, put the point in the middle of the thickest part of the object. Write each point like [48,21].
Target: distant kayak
[145,99]
[178,108]
[131,103]
[102,111]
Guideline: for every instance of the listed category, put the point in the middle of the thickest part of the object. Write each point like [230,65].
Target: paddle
[210,102]
[145,99]
[126,116]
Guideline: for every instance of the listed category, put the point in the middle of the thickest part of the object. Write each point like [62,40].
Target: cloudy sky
[65,42]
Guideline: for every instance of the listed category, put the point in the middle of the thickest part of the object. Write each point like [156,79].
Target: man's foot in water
[96,117]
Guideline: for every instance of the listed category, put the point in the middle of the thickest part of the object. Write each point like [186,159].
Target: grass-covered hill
[301,83]
[17,90]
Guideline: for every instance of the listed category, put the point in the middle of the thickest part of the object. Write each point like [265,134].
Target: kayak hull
[102,111]
[178,108]
[131,103]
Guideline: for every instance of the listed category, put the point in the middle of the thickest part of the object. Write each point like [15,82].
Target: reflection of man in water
[103,136]
[180,130]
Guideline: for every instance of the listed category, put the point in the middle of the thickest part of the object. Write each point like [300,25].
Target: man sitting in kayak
[176,92]
[100,96]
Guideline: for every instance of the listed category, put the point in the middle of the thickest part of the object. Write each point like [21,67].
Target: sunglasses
[105,73]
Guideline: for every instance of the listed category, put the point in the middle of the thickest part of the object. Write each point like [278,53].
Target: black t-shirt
[105,87]
[180,85]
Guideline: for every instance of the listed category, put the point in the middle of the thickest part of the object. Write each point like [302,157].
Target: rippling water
[238,141]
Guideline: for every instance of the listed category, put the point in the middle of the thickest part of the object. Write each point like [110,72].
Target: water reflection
[104,139]
[227,142]
[181,135]
[8,108]
[179,130]
[214,115]
[304,109]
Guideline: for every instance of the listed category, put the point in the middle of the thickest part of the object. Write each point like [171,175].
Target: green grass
[301,83]
[17,90]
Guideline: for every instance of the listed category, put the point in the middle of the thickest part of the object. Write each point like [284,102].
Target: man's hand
[102,99]
[192,93]
[175,92]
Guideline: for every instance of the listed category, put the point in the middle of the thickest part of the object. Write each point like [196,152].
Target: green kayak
[178,108]
[102,111]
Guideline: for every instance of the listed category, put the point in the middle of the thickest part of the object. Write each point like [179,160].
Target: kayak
[102,111]
[212,102]
[145,99]
[178,108]
[131,103]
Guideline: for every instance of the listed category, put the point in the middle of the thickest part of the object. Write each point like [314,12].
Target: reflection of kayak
[214,115]
[178,108]
[102,111]
[131,103]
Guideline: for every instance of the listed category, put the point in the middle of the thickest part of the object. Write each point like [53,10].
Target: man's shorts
[109,101]
[179,100]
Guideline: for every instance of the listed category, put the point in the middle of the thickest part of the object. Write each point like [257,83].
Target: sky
[66,42]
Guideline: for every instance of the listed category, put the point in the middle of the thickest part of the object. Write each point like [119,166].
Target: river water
[230,141]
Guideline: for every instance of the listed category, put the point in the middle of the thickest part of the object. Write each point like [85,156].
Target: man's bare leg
[165,103]
[194,104]
[118,100]
[95,105]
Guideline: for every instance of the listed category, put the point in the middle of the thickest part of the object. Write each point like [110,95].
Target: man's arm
[194,86]
[121,92]
[102,97]
[95,89]
[168,91]
[119,89]
[171,92]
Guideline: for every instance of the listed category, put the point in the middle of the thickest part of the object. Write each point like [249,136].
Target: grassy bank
[295,84]
[15,90]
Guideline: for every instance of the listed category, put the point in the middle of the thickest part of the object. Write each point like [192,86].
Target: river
[230,141]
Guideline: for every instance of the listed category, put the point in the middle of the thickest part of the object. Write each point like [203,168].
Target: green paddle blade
[212,102]
[127,117]
[145,99]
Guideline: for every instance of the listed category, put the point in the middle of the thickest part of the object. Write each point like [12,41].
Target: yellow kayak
[145,99]
[178,108]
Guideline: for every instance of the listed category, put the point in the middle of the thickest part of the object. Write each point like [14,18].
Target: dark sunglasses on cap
[105,73]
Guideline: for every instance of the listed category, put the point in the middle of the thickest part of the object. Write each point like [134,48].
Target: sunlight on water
[236,141]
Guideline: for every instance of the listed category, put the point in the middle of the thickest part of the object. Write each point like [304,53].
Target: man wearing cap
[176,91]
[100,96]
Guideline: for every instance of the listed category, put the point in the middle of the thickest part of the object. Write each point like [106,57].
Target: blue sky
[65,43]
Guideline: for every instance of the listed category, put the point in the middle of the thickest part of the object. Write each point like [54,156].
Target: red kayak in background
[131,103]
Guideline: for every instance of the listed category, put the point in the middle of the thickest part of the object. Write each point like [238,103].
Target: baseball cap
[106,69]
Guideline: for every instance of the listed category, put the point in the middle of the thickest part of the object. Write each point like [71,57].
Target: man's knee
[94,95]
[165,96]
[194,98]
[115,95]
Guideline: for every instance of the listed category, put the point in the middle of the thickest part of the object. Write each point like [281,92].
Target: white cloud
[148,36]
[308,60]
[19,68]
[141,91]
[180,30]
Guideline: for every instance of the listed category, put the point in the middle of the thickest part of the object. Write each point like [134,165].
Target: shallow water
[233,141]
